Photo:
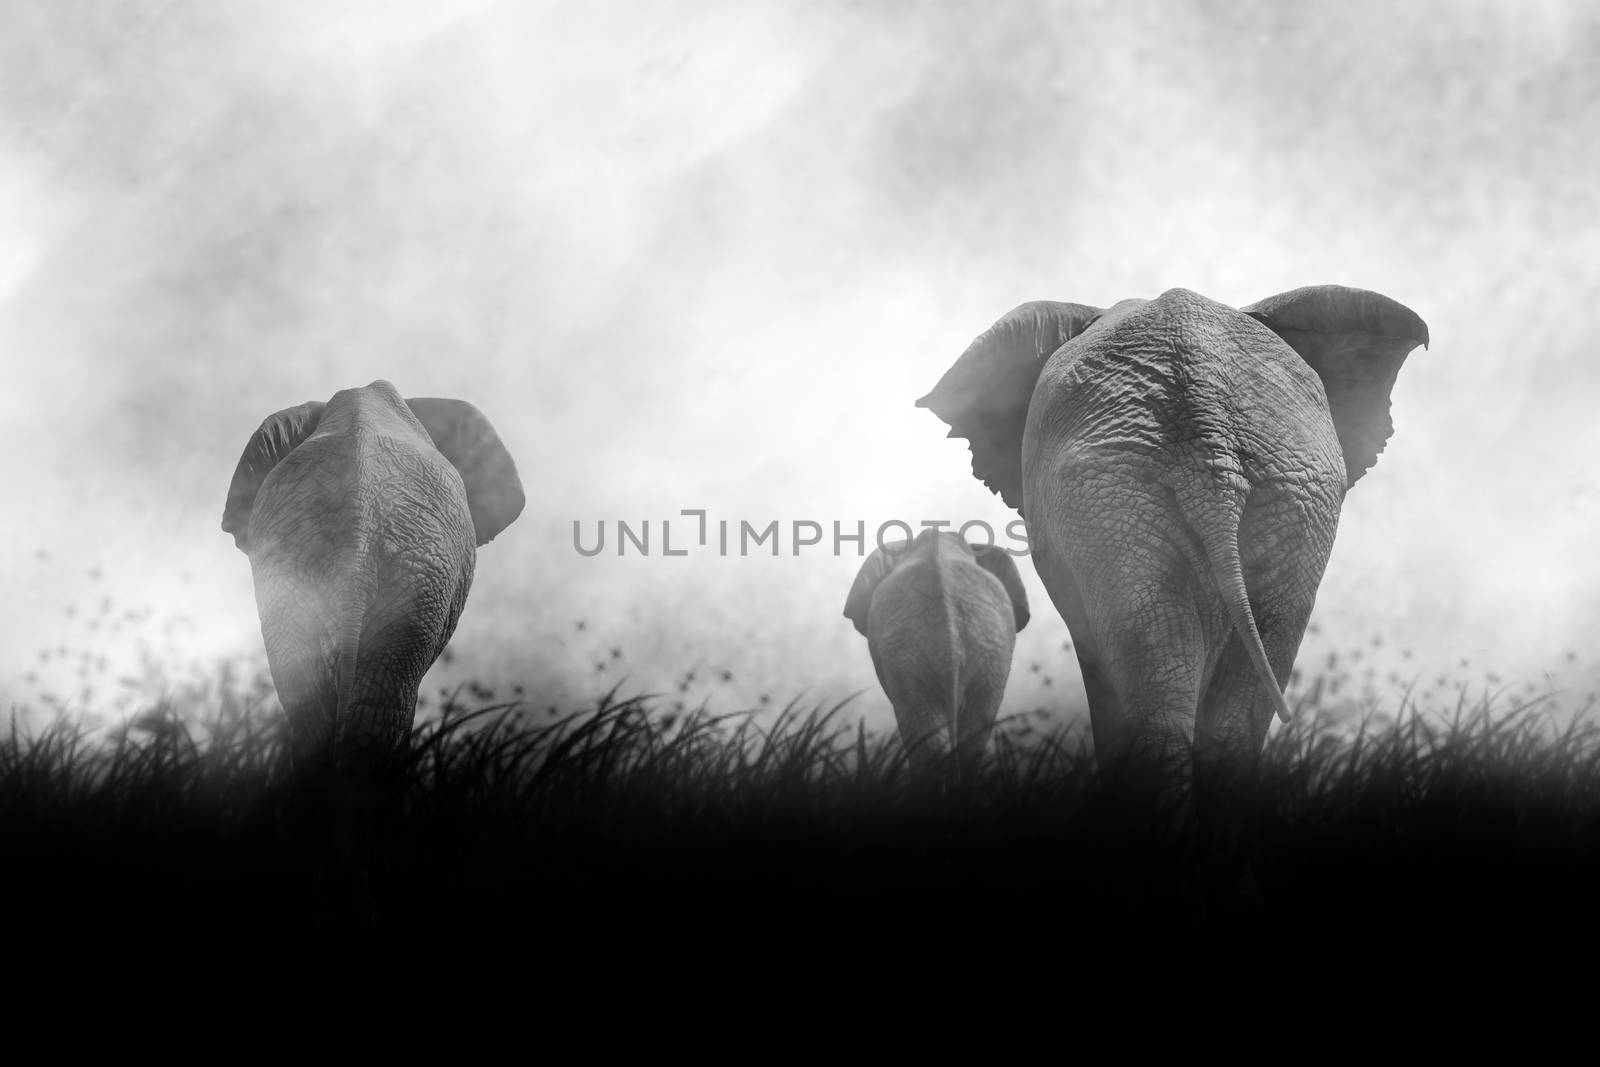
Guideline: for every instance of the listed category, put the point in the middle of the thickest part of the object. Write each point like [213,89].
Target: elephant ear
[465,437]
[998,562]
[280,434]
[984,395]
[1356,341]
[874,570]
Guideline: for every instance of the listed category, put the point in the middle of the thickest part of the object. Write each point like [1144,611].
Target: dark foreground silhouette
[622,826]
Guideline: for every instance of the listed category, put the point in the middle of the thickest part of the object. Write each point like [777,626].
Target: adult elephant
[361,518]
[1180,466]
[940,617]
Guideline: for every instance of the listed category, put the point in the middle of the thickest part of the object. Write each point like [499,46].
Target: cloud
[706,255]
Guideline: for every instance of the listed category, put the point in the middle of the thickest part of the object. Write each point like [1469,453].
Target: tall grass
[633,813]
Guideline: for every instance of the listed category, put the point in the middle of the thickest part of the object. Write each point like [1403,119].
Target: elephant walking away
[1180,466]
[361,518]
[941,618]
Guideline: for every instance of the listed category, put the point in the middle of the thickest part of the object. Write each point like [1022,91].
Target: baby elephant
[940,617]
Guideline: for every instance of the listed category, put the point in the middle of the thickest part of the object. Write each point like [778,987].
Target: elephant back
[1182,388]
[942,572]
[451,433]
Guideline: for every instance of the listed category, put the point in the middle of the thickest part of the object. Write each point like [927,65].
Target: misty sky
[706,255]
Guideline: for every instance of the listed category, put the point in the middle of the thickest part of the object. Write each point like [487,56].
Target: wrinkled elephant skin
[1180,466]
[941,618]
[361,518]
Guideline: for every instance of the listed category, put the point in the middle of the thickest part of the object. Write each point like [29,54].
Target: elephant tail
[1216,515]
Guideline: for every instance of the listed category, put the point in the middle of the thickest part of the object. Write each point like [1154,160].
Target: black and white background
[704,255]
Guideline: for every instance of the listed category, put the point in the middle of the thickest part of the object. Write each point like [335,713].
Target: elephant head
[361,517]
[1180,466]
[940,617]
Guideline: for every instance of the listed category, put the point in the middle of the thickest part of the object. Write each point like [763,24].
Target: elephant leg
[943,747]
[973,744]
[1104,712]
[359,783]
[982,692]
[1236,710]
[1155,665]
[919,690]
[928,748]
[1284,545]
[1231,724]
[361,767]
[1231,728]
[344,889]
[371,752]
[1285,556]
[1111,567]
[299,631]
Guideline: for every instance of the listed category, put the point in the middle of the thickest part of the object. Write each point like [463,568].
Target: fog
[706,256]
